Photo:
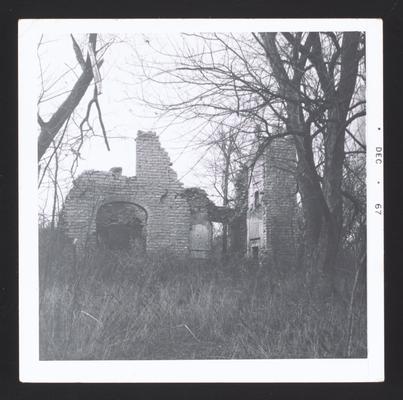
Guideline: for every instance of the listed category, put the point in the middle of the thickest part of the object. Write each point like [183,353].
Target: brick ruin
[153,210]
[272,204]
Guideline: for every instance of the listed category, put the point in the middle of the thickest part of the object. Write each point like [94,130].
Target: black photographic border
[388,10]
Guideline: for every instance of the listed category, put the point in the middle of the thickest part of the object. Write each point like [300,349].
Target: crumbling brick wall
[272,204]
[158,184]
[280,189]
[155,188]
[179,219]
[256,215]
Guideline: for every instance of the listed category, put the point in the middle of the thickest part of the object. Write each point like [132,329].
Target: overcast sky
[123,114]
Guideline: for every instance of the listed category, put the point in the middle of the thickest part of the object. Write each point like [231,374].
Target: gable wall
[155,188]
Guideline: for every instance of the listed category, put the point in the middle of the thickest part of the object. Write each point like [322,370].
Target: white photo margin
[285,370]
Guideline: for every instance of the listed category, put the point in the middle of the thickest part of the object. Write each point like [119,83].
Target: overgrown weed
[119,305]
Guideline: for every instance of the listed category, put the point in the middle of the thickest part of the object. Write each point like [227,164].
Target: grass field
[116,305]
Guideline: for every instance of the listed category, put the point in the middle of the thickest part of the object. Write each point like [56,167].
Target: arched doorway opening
[121,225]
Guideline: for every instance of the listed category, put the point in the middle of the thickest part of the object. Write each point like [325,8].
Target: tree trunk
[320,239]
[322,203]
[335,130]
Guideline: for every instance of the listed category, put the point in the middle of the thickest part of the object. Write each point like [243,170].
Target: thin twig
[91,316]
[189,330]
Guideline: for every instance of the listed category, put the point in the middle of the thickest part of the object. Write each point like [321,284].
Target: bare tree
[327,66]
[309,86]
[223,170]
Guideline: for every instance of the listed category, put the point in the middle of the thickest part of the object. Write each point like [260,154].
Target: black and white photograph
[201,200]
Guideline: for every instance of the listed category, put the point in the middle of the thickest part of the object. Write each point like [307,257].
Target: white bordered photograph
[201,200]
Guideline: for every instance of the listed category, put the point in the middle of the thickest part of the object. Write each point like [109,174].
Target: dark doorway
[121,225]
[255,252]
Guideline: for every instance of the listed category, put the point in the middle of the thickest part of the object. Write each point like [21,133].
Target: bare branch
[50,128]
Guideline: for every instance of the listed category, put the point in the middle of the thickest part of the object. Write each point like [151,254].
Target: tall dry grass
[116,305]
